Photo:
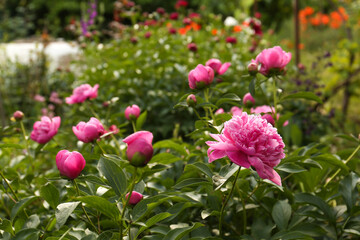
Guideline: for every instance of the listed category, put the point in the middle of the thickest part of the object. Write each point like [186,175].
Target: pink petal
[148,136]
[238,158]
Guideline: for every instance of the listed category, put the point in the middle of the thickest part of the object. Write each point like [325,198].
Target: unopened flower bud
[18,115]
[191,100]
[253,68]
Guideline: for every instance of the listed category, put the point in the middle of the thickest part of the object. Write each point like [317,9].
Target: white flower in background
[231,21]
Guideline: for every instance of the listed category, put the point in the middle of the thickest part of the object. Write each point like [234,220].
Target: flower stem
[275,100]
[7,183]
[87,216]
[102,150]
[92,111]
[206,96]
[221,218]
[346,161]
[126,204]
[133,125]
[27,145]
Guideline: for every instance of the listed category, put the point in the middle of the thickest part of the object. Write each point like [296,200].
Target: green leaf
[27,234]
[178,233]
[102,205]
[252,86]
[225,174]
[350,137]
[63,211]
[141,120]
[93,179]
[153,220]
[142,208]
[331,159]
[296,135]
[303,95]
[317,202]
[164,158]
[19,206]
[348,190]
[114,174]
[207,104]
[172,145]
[181,105]
[51,194]
[204,168]
[228,98]
[281,214]
[11,145]
[290,168]
[191,182]
[7,226]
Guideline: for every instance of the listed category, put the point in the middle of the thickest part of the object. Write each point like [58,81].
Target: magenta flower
[44,130]
[192,47]
[248,99]
[134,198]
[267,114]
[147,35]
[248,140]
[70,164]
[160,10]
[132,112]
[217,66]
[83,92]
[90,131]
[181,3]
[200,77]
[172,31]
[139,148]
[231,40]
[174,16]
[273,61]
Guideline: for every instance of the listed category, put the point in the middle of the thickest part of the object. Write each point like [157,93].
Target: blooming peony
[44,130]
[139,148]
[217,66]
[248,140]
[200,77]
[70,164]
[90,131]
[83,92]
[273,60]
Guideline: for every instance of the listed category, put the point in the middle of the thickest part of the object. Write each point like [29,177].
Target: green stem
[7,183]
[87,216]
[117,144]
[347,160]
[92,110]
[126,204]
[133,125]
[27,144]
[225,203]
[206,96]
[102,150]
[275,100]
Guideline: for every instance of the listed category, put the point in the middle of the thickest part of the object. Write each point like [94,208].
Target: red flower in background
[181,3]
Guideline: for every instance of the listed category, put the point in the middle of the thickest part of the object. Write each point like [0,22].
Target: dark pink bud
[172,30]
[248,100]
[191,100]
[231,40]
[253,67]
[174,16]
[200,77]
[140,150]
[132,112]
[70,164]
[134,198]
[192,47]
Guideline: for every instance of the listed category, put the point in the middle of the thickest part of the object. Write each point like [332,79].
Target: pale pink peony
[90,131]
[132,112]
[217,66]
[83,92]
[273,60]
[200,77]
[44,130]
[134,198]
[139,148]
[70,164]
[248,140]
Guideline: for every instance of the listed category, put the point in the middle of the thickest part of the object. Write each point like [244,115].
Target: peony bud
[18,115]
[253,68]
[90,131]
[248,100]
[200,77]
[139,148]
[132,112]
[134,198]
[191,100]
[70,164]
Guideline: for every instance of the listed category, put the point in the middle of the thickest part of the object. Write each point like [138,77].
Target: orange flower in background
[301,46]
[308,11]
[168,25]
[214,31]
[325,19]
[335,24]
[182,31]
[237,28]
[315,21]
[343,13]
[195,26]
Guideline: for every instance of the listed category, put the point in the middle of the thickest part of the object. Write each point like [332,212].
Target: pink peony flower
[273,61]
[139,148]
[248,99]
[160,10]
[90,131]
[70,164]
[219,111]
[134,198]
[147,35]
[132,112]
[39,98]
[217,66]
[267,114]
[174,16]
[83,92]
[248,140]
[252,67]
[44,130]
[18,115]
[181,3]
[236,111]
[200,77]
[172,31]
